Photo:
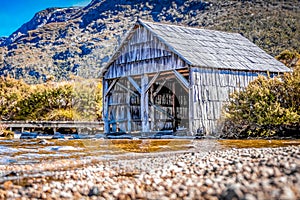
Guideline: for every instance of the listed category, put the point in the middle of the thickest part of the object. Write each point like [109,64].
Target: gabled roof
[211,49]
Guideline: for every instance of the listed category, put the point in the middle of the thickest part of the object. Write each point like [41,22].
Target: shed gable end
[141,53]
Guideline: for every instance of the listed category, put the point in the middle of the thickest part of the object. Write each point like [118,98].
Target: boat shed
[174,78]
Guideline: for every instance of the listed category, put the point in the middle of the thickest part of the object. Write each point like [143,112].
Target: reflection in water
[37,150]
[32,151]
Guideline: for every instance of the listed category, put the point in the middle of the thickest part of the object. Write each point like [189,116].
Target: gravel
[250,173]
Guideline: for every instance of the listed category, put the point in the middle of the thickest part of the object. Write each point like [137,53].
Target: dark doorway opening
[168,105]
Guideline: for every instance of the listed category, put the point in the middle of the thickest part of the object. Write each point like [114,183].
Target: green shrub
[63,115]
[267,107]
[78,99]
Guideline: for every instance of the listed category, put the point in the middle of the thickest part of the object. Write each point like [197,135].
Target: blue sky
[14,13]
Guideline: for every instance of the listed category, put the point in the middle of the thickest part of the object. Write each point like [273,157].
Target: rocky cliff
[59,42]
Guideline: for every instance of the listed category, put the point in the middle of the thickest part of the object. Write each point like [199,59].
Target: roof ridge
[185,26]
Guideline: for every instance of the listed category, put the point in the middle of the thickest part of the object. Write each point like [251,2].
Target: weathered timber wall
[143,54]
[124,110]
[211,89]
[125,105]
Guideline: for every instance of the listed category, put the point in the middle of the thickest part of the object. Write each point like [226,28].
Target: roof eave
[219,68]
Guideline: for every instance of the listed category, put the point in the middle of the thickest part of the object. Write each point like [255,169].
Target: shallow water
[17,151]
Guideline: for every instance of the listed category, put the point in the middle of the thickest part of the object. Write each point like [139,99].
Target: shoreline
[250,173]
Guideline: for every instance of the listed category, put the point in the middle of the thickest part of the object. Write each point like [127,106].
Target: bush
[78,99]
[7,134]
[63,115]
[267,107]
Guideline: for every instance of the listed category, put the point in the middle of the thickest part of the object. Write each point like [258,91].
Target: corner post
[144,103]
[128,108]
[105,105]
[191,101]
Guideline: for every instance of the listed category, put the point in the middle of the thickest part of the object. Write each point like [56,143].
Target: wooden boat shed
[173,78]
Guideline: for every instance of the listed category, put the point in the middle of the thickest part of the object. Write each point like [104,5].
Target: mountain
[59,42]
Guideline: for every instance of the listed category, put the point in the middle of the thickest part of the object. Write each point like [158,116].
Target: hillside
[58,42]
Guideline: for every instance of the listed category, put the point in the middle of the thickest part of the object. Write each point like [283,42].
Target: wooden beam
[191,105]
[158,108]
[152,111]
[169,77]
[127,89]
[166,73]
[152,81]
[110,87]
[118,121]
[105,106]
[159,88]
[182,80]
[51,124]
[144,104]
[183,70]
[128,108]
[170,74]
[184,73]
[132,81]
[174,107]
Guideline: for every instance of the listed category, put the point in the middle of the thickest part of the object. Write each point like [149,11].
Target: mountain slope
[63,41]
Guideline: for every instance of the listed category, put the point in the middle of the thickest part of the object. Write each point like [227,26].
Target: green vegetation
[78,99]
[268,106]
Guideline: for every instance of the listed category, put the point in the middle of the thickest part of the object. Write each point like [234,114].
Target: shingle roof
[210,48]
[214,49]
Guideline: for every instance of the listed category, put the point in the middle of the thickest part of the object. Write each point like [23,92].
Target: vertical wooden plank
[174,124]
[152,110]
[105,106]
[191,104]
[144,104]
[128,108]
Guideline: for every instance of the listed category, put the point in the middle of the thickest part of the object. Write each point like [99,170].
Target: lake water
[21,151]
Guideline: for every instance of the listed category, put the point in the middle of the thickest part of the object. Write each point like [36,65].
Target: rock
[45,142]
[46,188]
[181,164]
[250,197]
[208,182]
[94,191]
[287,193]
[67,195]
[44,196]
[7,185]
[232,192]
[277,172]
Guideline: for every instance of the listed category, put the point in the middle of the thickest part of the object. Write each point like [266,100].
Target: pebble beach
[246,173]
